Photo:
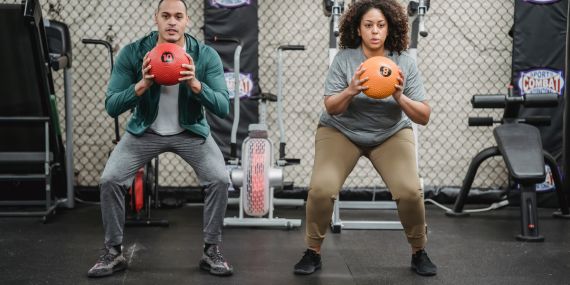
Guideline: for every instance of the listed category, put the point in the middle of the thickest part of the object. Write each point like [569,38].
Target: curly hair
[397,39]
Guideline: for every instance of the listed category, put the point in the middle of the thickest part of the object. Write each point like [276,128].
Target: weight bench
[520,145]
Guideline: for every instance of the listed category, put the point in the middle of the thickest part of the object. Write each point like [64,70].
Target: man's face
[171,20]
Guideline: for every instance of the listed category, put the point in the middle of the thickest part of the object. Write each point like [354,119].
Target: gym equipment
[59,43]
[32,152]
[382,75]
[566,131]
[143,194]
[416,11]
[166,60]
[520,145]
[256,177]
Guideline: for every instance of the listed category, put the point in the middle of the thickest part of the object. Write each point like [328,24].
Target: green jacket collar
[148,42]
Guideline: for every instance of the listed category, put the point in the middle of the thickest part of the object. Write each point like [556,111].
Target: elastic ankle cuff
[312,243]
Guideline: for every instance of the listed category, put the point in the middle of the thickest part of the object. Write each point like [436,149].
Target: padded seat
[521,148]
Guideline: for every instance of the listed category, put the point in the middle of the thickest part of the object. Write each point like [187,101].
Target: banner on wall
[234,19]
[539,50]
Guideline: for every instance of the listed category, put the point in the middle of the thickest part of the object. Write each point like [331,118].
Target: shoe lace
[423,257]
[308,256]
[106,257]
[216,255]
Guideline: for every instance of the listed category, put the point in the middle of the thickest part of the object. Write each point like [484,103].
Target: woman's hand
[418,112]
[399,87]
[355,86]
[338,103]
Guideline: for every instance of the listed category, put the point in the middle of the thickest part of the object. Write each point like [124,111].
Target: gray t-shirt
[367,121]
[167,122]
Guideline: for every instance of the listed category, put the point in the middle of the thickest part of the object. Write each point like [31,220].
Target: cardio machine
[143,193]
[519,143]
[254,173]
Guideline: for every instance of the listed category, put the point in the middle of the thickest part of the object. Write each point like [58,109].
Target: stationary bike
[254,173]
[519,143]
[143,193]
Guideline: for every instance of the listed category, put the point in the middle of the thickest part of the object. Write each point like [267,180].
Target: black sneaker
[214,262]
[309,263]
[110,262]
[422,265]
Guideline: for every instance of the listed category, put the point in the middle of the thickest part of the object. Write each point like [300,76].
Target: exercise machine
[520,144]
[143,193]
[32,152]
[254,174]
[566,129]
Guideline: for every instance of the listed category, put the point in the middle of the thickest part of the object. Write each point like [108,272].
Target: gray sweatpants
[132,152]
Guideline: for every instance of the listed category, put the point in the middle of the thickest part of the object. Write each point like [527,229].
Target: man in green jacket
[165,119]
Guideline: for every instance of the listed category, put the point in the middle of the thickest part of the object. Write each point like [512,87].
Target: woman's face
[373,29]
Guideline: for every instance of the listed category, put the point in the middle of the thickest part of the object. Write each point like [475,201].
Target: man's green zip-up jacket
[127,71]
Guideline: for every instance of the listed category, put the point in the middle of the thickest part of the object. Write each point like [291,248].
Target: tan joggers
[395,161]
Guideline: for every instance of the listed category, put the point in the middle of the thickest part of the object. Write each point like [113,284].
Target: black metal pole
[110,50]
[566,124]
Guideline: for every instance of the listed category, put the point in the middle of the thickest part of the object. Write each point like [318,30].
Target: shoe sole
[303,272]
[206,267]
[415,269]
[120,267]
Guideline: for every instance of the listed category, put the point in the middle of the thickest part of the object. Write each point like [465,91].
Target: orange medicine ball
[382,75]
[166,61]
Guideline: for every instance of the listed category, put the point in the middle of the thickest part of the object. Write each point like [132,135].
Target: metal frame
[509,140]
[270,221]
[275,179]
[63,61]
[68,91]
[33,16]
[31,157]
[259,131]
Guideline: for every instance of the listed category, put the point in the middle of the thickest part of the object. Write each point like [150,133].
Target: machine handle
[56,62]
[96,42]
[102,42]
[282,150]
[488,101]
[236,103]
[537,120]
[336,11]
[111,64]
[528,100]
[541,100]
[24,119]
[291,47]
[480,121]
[225,39]
[233,150]
[423,6]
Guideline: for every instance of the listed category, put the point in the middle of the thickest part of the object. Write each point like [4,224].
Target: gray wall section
[467,52]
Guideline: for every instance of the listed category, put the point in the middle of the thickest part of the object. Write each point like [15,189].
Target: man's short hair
[183,2]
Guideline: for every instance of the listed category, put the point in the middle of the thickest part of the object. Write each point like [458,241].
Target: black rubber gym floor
[480,249]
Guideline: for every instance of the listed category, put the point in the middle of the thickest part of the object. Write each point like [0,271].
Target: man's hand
[147,79]
[189,76]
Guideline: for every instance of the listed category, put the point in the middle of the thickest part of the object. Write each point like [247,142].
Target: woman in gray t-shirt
[354,125]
